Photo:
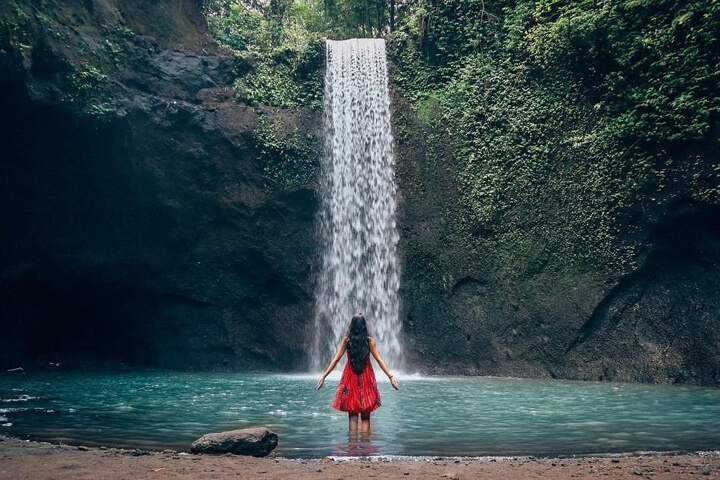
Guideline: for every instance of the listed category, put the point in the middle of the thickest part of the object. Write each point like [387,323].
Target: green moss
[84,83]
[427,108]
[15,29]
[51,27]
[114,53]
[100,110]
[553,128]
[288,161]
[112,50]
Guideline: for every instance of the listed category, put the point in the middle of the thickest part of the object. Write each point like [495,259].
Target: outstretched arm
[376,354]
[338,356]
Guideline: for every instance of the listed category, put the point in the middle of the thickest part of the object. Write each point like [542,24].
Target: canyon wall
[145,219]
[150,218]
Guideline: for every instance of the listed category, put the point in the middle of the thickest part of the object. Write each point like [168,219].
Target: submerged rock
[257,442]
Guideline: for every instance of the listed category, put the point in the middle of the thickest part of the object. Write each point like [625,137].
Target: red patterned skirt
[357,393]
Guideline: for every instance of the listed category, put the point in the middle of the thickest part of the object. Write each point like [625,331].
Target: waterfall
[359,270]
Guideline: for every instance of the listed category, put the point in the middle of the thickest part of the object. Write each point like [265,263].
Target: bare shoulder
[371,341]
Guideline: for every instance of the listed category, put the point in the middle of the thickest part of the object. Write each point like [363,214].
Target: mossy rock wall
[149,217]
[535,248]
[557,219]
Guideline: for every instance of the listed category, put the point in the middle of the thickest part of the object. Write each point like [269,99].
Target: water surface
[429,416]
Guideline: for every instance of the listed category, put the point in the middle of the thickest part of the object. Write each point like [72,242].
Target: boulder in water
[257,442]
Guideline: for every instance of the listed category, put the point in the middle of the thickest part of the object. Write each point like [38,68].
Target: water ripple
[471,416]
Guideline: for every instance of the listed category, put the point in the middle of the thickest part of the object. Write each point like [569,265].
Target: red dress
[357,393]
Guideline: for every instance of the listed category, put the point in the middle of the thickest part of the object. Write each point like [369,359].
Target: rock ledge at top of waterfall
[258,442]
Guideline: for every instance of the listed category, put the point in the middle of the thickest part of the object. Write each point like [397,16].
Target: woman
[357,392]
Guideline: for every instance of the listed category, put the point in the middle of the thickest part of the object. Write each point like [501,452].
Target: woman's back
[357,392]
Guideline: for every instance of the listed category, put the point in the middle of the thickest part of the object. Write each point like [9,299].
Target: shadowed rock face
[474,310]
[138,227]
[147,235]
[660,322]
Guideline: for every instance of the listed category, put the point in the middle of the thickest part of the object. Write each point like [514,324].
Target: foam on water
[335,375]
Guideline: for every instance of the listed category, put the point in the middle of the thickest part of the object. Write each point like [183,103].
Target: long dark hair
[357,344]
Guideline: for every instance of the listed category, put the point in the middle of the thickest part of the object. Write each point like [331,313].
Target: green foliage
[282,40]
[114,53]
[568,122]
[288,161]
[525,175]
[655,64]
[449,29]
[51,27]
[285,57]
[289,80]
[356,18]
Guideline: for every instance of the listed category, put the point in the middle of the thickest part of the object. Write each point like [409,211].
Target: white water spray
[357,219]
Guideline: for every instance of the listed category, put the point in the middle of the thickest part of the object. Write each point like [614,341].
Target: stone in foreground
[257,442]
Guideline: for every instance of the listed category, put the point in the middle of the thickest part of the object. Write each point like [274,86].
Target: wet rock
[257,442]
[83,448]
[138,452]
[176,75]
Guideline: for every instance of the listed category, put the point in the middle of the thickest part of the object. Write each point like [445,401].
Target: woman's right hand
[320,383]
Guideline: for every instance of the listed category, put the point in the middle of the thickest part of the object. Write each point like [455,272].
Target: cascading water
[357,220]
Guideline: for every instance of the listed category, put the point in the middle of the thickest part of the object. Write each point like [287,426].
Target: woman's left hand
[394,383]
[320,383]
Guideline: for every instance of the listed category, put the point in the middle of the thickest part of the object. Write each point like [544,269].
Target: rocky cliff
[145,218]
[472,307]
[520,258]
[151,218]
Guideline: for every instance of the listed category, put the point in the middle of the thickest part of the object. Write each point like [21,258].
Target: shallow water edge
[88,446]
[41,460]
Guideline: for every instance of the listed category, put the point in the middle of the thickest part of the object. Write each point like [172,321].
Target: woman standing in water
[357,392]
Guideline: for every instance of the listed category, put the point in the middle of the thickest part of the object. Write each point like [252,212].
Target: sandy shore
[21,459]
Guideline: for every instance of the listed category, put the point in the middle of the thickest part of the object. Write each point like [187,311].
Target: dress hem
[359,411]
